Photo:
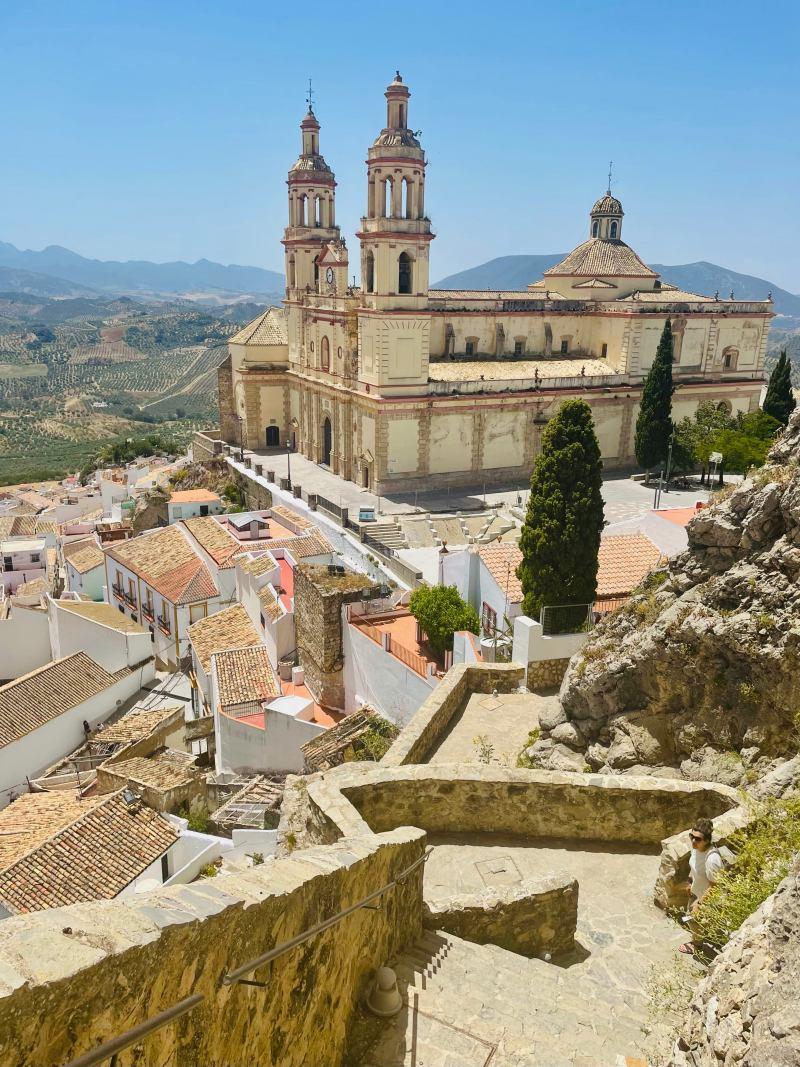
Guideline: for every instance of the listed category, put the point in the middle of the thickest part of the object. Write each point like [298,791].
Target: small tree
[561,535]
[779,401]
[654,424]
[441,611]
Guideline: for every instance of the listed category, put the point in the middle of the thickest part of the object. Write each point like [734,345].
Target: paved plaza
[624,498]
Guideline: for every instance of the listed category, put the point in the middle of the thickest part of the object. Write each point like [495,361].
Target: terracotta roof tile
[194,496]
[625,559]
[136,725]
[85,560]
[267,329]
[270,605]
[245,675]
[300,521]
[501,559]
[165,770]
[41,696]
[602,258]
[167,562]
[105,614]
[213,538]
[310,544]
[94,854]
[221,631]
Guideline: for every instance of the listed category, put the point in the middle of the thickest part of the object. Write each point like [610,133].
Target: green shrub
[523,759]
[440,612]
[765,850]
[376,742]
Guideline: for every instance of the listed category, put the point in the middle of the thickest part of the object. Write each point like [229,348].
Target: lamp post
[289,462]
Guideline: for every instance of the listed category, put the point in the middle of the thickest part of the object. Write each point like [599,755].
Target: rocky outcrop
[697,675]
[746,1011]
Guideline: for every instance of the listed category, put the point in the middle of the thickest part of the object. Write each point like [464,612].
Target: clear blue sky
[164,130]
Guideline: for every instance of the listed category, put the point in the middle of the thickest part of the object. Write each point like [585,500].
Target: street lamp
[289,463]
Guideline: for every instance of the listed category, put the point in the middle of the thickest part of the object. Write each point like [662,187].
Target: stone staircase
[388,533]
[469,1005]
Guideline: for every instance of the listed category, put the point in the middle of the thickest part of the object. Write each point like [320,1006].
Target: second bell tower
[395,232]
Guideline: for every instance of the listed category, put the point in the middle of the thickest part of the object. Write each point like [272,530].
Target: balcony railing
[148,612]
[164,625]
[118,592]
[130,599]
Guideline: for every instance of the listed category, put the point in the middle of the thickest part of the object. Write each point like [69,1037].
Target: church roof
[602,258]
[268,329]
[608,205]
[316,163]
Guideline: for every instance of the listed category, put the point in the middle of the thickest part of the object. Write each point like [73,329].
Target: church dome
[608,205]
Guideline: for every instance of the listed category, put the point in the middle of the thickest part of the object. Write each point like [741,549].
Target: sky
[164,129]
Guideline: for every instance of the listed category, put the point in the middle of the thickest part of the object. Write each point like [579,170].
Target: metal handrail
[232,977]
[109,1049]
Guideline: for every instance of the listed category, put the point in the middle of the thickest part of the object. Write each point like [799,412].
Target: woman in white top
[705,864]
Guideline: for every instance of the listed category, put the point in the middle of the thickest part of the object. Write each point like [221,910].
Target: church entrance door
[326,443]
[273,436]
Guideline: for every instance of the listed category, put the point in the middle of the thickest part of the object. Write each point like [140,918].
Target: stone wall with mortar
[546,673]
[535,917]
[73,977]
[422,734]
[318,626]
[473,798]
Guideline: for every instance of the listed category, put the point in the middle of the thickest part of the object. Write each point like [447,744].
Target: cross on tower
[310,97]
[610,166]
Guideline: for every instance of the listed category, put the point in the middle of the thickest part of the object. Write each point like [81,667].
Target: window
[35,557]
[165,867]
[291,272]
[604,350]
[564,346]
[519,348]
[369,272]
[469,348]
[325,352]
[595,225]
[177,511]
[404,274]
[488,619]
[612,231]
[8,563]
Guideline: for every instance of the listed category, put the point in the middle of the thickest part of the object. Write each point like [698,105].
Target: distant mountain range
[133,277]
[516,272]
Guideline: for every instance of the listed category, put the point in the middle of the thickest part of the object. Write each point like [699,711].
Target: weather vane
[610,166]
[310,97]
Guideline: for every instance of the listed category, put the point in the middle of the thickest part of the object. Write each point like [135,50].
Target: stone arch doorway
[273,436]
[327,438]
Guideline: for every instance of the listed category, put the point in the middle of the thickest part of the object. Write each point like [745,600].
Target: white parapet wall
[546,657]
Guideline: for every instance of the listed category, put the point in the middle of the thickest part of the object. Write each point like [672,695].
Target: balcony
[148,612]
[164,625]
[129,599]
[118,592]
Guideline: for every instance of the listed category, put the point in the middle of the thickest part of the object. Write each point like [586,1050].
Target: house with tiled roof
[624,561]
[265,588]
[230,628]
[193,503]
[44,714]
[57,848]
[163,580]
[257,727]
[486,577]
[84,567]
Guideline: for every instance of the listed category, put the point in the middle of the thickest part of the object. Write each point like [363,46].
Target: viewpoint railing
[109,1050]
[566,619]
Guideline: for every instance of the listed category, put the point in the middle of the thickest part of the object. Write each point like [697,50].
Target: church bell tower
[312,211]
[395,232]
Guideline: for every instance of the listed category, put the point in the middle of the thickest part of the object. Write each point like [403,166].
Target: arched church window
[291,271]
[595,227]
[612,231]
[402,116]
[325,354]
[387,198]
[405,206]
[369,272]
[404,274]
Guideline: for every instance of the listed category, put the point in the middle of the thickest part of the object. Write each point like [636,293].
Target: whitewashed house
[192,504]
[22,560]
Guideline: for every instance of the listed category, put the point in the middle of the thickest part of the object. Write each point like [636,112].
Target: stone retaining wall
[73,977]
[471,798]
[546,673]
[420,737]
[535,917]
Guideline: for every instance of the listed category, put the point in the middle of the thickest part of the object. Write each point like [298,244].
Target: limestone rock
[698,672]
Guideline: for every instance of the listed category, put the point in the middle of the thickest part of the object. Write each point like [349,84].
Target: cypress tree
[561,535]
[654,424]
[779,401]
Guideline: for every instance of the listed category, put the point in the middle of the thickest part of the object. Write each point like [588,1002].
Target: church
[396,386]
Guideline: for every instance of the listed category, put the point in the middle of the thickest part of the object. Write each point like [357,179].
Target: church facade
[397,386]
